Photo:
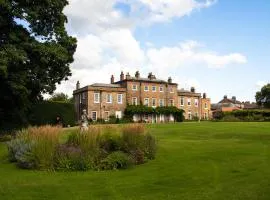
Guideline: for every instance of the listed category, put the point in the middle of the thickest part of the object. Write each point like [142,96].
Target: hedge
[46,113]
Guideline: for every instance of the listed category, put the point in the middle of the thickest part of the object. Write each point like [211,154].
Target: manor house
[103,100]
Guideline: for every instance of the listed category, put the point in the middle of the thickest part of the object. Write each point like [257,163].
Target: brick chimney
[122,76]
[234,99]
[127,76]
[204,95]
[225,96]
[137,74]
[78,85]
[112,79]
[151,76]
[169,80]
[192,89]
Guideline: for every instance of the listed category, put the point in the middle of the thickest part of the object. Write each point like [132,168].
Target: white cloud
[106,43]
[188,53]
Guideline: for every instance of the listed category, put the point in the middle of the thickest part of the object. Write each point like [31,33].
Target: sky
[220,47]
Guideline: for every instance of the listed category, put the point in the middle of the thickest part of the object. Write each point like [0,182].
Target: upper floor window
[146,88]
[182,101]
[96,97]
[134,87]
[171,102]
[189,102]
[154,103]
[161,102]
[109,98]
[161,89]
[146,101]
[205,105]
[196,102]
[154,88]
[119,98]
[171,90]
[134,101]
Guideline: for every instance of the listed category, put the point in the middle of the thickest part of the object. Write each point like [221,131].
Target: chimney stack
[137,74]
[204,95]
[225,97]
[78,85]
[192,89]
[234,99]
[151,76]
[127,76]
[112,79]
[122,76]
[169,80]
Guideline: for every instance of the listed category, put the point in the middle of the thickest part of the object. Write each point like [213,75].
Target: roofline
[146,81]
[99,88]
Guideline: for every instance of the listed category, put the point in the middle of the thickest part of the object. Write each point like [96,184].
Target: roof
[230,101]
[106,85]
[187,92]
[145,80]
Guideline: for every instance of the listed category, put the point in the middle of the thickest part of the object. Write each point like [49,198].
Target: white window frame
[182,98]
[161,102]
[189,102]
[136,87]
[98,97]
[121,98]
[171,90]
[145,101]
[110,99]
[154,99]
[154,90]
[92,115]
[205,106]
[196,102]
[146,86]
[161,90]
[136,101]
[189,115]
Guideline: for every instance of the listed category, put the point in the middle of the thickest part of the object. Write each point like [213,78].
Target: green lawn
[194,161]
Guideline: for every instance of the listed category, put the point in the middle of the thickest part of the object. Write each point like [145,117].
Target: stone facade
[104,100]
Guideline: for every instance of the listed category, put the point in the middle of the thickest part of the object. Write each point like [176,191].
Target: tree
[263,96]
[35,54]
[59,97]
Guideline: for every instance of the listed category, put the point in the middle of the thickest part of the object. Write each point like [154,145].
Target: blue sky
[221,47]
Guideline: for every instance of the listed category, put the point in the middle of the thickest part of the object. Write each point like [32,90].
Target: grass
[194,161]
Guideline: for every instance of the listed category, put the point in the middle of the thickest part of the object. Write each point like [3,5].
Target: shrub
[5,138]
[116,160]
[100,148]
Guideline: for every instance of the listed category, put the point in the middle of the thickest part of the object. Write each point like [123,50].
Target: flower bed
[99,148]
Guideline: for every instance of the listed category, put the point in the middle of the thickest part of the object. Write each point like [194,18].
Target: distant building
[229,105]
[103,100]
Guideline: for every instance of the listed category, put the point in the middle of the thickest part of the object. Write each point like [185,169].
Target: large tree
[35,54]
[263,96]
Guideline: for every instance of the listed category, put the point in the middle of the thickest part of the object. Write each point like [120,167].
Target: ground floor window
[189,116]
[205,115]
[94,115]
[107,115]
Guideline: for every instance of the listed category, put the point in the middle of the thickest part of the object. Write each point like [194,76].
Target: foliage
[116,160]
[165,110]
[46,113]
[243,115]
[263,96]
[99,148]
[61,97]
[35,55]
[5,138]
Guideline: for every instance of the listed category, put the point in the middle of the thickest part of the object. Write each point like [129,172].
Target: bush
[116,160]
[46,112]
[100,148]
[5,138]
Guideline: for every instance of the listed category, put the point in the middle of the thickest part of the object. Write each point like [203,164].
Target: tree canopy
[61,97]
[35,54]
[263,96]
